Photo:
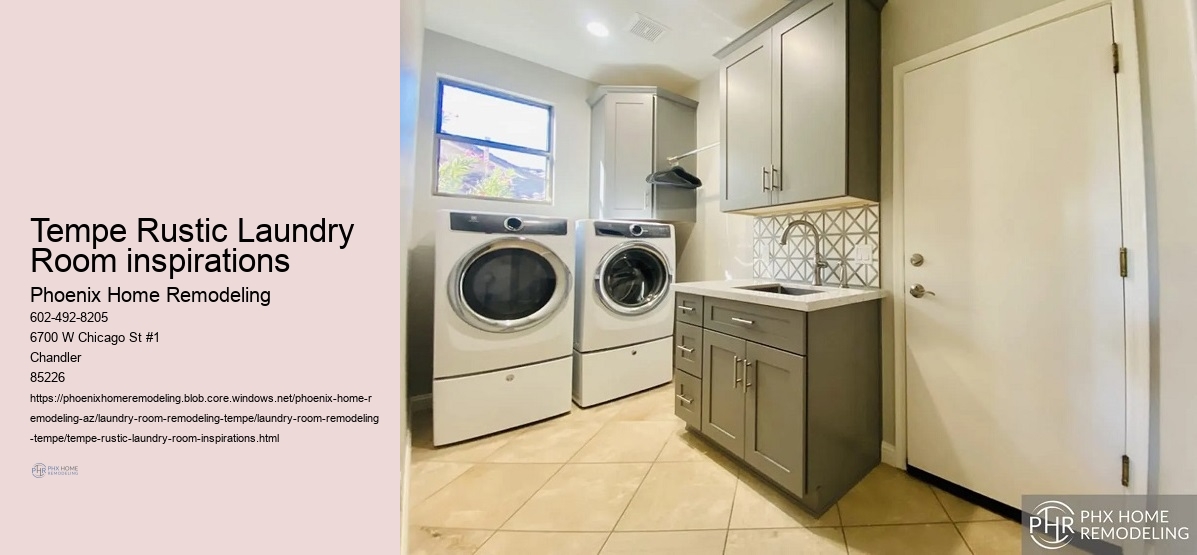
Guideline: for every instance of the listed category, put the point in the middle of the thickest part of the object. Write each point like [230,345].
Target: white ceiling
[553,33]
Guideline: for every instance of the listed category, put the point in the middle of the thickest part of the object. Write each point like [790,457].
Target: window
[492,145]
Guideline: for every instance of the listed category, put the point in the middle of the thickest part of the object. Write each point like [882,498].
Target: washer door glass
[633,279]
[508,284]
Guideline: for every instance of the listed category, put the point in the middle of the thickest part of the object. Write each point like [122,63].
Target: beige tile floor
[627,478]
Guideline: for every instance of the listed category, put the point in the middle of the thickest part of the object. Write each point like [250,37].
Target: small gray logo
[39,470]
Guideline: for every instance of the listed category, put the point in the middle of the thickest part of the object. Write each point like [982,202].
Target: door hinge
[1117,61]
[1125,471]
[1122,261]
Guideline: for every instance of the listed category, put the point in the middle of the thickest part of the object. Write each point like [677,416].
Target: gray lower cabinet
[804,410]
[723,390]
[775,382]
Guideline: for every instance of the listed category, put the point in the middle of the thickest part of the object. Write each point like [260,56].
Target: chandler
[37,356]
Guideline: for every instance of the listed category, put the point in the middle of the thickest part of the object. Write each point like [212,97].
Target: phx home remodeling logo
[41,470]
[1050,526]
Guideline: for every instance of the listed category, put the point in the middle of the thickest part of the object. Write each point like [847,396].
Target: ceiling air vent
[646,28]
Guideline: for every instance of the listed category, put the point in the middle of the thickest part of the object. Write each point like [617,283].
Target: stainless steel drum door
[633,278]
[508,285]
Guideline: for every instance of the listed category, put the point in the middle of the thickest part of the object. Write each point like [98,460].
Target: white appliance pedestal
[471,406]
[605,375]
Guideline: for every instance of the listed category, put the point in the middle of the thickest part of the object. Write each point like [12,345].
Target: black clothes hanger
[676,176]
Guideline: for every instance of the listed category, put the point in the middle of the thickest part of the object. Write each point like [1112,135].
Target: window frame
[439,135]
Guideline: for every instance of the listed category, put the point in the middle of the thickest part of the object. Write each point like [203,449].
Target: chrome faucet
[820,262]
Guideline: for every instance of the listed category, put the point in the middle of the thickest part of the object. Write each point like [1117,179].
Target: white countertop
[828,297]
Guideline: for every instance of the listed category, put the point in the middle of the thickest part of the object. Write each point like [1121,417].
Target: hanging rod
[674,159]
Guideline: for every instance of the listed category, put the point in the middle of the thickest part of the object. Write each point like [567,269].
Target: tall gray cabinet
[801,105]
[633,130]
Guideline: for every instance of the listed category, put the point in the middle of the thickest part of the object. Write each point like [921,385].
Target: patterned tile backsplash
[843,229]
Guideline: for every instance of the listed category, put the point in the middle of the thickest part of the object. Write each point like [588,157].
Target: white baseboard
[889,455]
[420,403]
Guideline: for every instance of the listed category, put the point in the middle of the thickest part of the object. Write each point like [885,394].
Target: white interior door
[1015,366]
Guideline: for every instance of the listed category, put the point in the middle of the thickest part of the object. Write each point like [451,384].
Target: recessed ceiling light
[597,29]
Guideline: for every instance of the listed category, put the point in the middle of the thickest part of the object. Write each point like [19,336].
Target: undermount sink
[779,289]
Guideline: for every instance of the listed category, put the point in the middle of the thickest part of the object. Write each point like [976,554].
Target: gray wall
[450,57]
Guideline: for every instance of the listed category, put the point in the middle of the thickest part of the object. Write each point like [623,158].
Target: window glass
[483,171]
[467,113]
[492,145]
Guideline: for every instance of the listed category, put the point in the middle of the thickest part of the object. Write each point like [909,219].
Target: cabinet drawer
[687,349]
[687,398]
[775,327]
[689,308]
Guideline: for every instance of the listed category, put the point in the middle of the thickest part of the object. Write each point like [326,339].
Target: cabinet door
[629,156]
[723,390]
[810,96]
[745,84]
[775,427]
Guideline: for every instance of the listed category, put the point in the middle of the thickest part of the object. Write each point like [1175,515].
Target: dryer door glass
[633,279]
[508,284]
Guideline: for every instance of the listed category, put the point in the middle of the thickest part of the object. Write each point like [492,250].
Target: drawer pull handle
[742,321]
[685,308]
[686,350]
[685,400]
[736,373]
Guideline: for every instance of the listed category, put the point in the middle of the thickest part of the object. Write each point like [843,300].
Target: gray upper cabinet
[774,430]
[801,109]
[633,130]
[745,128]
[723,390]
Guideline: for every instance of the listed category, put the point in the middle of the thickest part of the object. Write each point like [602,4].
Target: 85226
[47,377]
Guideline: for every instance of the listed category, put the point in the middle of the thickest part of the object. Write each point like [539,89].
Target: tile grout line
[518,509]
[438,490]
[489,537]
[955,525]
[625,507]
[732,511]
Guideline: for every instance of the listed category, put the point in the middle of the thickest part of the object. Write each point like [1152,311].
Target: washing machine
[623,332]
[503,322]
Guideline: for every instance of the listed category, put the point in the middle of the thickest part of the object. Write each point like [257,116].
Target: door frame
[1134,225]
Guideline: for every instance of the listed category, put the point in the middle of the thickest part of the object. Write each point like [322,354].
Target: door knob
[917,291]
